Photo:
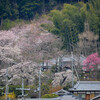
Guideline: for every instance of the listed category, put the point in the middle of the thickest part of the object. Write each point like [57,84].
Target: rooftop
[65,97]
[61,92]
[86,86]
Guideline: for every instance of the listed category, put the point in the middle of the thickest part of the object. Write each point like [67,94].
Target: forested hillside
[28,9]
[72,20]
[45,35]
[68,16]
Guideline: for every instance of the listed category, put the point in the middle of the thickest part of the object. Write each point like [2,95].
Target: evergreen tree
[5,10]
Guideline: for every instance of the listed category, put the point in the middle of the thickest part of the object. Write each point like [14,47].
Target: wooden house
[86,89]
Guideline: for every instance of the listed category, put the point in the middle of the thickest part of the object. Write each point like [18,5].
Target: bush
[44,89]
[54,69]
[12,88]
[69,85]
[11,96]
[47,26]
[49,96]
[54,89]
[55,31]
[1,91]
[7,24]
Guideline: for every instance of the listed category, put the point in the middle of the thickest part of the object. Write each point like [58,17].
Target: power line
[23,89]
[40,83]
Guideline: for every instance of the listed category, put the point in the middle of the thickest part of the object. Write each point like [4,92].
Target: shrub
[54,89]
[49,96]
[11,95]
[47,26]
[7,24]
[55,31]
[12,88]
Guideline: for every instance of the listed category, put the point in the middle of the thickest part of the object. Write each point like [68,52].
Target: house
[86,89]
[59,98]
[61,92]
[64,62]
[65,95]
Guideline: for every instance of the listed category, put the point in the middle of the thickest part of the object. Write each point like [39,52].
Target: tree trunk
[43,10]
[1,21]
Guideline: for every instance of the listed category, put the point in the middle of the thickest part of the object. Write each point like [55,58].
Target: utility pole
[60,64]
[40,83]
[72,70]
[7,88]
[23,89]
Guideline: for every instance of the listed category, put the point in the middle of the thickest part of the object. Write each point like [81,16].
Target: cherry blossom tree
[91,63]
[41,46]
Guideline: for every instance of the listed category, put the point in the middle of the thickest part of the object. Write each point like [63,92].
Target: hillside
[59,35]
[28,9]
[23,47]
[74,27]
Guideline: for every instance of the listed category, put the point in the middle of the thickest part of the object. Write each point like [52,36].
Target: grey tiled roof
[86,86]
[70,97]
[65,97]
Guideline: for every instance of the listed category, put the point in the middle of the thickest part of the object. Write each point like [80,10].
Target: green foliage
[28,9]
[69,22]
[49,81]
[36,16]
[69,85]
[31,93]
[44,88]
[12,88]
[1,91]
[48,27]
[43,25]
[49,96]
[54,69]
[7,24]
[55,31]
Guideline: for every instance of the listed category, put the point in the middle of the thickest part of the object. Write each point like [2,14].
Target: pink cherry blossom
[91,61]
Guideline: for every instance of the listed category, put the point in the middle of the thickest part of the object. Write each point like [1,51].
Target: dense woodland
[27,9]
[71,21]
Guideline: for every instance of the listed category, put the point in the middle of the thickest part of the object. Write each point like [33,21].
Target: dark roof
[70,97]
[66,95]
[86,86]
[62,91]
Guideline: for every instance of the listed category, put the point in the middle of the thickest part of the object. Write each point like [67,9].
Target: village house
[86,89]
[64,63]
